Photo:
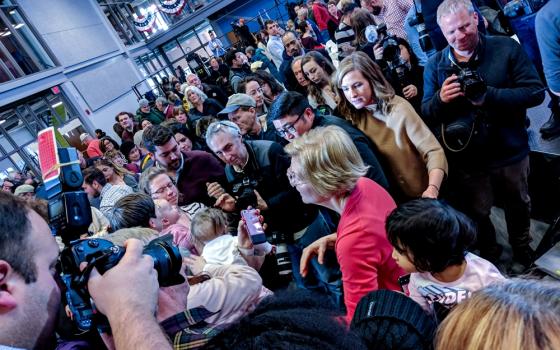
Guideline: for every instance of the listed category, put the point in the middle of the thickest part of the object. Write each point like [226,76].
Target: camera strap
[456,150]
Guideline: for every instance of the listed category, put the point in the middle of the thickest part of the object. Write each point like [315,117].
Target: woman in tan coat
[416,163]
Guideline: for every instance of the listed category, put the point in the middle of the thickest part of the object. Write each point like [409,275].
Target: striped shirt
[344,37]
[110,194]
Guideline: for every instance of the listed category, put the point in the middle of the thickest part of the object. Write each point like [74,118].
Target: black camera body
[103,255]
[68,206]
[472,84]
[244,192]
[391,49]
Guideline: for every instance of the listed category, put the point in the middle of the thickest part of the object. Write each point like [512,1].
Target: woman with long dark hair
[322,92]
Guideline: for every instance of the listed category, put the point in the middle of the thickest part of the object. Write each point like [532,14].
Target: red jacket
[93,149]
[322,15]
[362,248]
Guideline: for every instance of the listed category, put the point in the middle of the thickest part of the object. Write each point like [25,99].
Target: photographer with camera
[257,176]
[30,298]
[476,95]
[392,54]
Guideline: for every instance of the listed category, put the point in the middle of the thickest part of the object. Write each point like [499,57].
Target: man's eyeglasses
[164,189]
[289,128]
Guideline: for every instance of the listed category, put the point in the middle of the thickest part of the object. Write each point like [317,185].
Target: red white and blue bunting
[145,23]
[171,6]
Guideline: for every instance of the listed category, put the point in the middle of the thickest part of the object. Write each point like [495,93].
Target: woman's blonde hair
[119,170]
[207,224]
[329,159]
[382,91]
[111,155]
[517,314]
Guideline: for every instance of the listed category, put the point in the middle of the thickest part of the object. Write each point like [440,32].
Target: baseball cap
[24,189]
[83,137]
[238,100]
[143,103]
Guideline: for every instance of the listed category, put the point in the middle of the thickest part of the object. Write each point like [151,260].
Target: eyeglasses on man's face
[164,189]
[289,128]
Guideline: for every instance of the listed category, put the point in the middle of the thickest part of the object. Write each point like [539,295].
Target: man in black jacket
[257,176]
[292,116]
[483,123]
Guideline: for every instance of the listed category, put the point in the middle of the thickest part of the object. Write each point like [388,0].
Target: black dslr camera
[472,84]
[244,191]
[103,255]
[398,67]
[391,49]
[69,217]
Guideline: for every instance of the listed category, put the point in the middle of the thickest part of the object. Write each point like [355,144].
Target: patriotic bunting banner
[171,6]
[145,23]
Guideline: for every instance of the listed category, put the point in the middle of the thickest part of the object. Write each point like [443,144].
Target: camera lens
[167,260]
[424,38]
[391,49]
[283,259]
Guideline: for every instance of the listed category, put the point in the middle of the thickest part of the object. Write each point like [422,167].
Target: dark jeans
[473,193]
[325,278]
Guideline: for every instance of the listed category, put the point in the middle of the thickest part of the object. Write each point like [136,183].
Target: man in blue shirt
[215,45]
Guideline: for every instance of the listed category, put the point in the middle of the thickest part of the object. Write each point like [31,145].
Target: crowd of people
[372,171]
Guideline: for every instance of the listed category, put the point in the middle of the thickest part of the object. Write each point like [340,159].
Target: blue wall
[249,10]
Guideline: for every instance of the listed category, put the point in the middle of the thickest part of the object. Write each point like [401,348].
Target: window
[123,14]
[121,18]
[21,52]
[20,124]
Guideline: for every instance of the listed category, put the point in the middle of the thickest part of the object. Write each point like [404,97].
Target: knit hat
[126,147]
[24,189]
[386,319]
[143,103]
[238,100]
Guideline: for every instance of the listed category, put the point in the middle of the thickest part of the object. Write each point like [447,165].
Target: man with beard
[95,185]
[30,297]
[191,171]
[294,48]
[239,67]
